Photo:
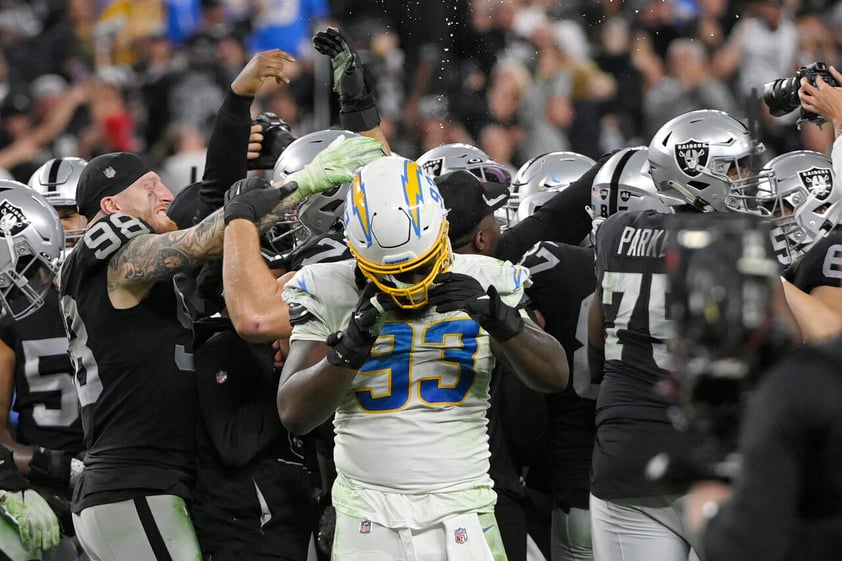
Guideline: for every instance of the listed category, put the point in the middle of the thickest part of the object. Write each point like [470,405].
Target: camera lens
[781,96]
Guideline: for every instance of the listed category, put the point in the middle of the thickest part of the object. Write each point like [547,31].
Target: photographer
[827,102]
[733,329]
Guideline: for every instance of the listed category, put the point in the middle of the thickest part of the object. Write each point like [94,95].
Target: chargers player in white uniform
[400,343]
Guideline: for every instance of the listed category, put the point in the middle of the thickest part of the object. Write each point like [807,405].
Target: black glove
[276,136]
[251,198]
[352,347]
[10,478]
[357,106]
[455,291]
[61,507]
[49,467]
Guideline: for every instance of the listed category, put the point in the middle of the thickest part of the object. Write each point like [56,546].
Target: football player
[48,416]
[699,161]
[119,301]
[804,202]
[399,342]
[33,343]
[36,371]
[563,301]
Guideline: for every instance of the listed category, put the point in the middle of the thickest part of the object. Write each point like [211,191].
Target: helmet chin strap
[692,200]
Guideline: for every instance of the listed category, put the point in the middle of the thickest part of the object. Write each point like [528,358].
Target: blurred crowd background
[515,77]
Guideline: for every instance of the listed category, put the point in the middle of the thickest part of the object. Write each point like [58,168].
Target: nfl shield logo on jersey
[365,527]
[460,535]
[221,377]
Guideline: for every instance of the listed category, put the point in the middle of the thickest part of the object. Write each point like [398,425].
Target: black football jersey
[822,264]
[563,284]
[133,374]
[254,491]
[330,248]
[45,397]
[631,416]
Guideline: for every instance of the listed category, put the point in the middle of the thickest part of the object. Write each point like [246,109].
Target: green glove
[335,165]
[37,523]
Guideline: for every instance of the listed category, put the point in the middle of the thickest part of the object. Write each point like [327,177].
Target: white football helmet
[31,242]
[624,183]
[539,179]
[56,181]
[450,157]
[396,228]
[316,215]
[802,199]
[705,158]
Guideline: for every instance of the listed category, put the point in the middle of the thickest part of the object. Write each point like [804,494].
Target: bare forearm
[536,357]
[21,453]
[252,294]
[308,397]
[816,320]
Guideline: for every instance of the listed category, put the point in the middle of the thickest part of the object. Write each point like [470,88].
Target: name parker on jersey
[642,242]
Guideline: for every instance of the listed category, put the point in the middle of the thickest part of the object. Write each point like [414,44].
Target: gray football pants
[154,528]
[641,529]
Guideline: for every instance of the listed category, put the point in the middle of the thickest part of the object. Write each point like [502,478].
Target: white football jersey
[414,419]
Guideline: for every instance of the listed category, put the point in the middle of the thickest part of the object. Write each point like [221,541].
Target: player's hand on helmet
[334,165]
[456,291]
[349,78]
[352,347]
[37,524]
[250,198]
[53,467]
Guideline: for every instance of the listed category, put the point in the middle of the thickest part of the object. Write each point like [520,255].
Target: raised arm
[150,258]
[252,294]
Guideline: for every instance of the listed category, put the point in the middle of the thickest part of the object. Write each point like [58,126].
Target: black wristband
[49,466]
[343,355]
[360,120]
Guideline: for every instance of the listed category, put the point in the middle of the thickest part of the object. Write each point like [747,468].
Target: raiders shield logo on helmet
[12,219]
[691,155]
[819,181]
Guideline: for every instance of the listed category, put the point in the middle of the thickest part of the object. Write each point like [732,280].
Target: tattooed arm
[252,293]
[150,258]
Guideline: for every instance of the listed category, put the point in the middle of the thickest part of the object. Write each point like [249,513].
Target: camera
[781,95]
[276,137]
[722,273]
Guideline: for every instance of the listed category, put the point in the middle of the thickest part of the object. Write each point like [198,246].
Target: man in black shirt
[699,162]
[733,328]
